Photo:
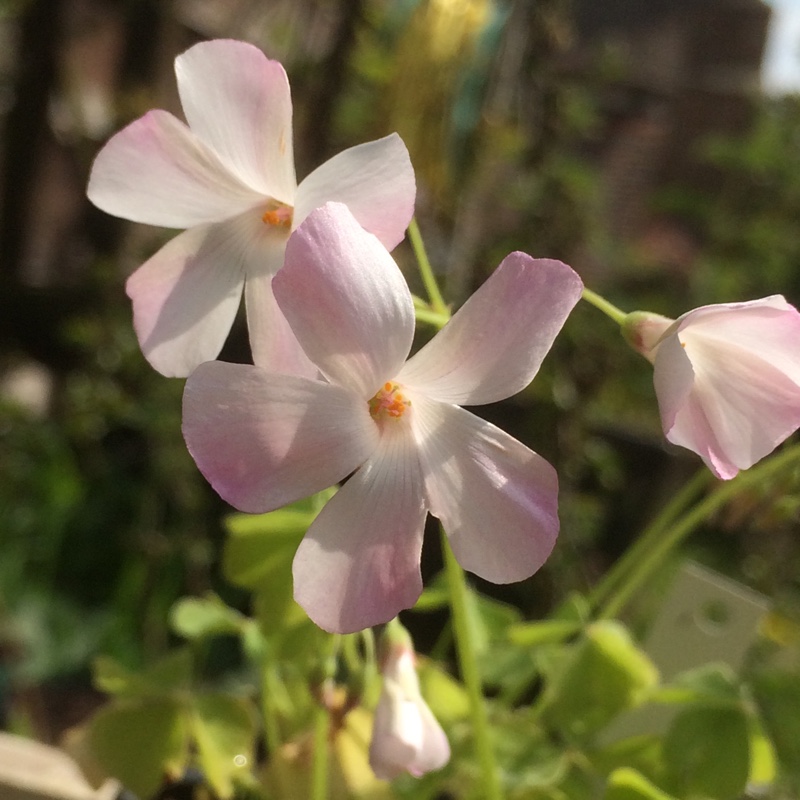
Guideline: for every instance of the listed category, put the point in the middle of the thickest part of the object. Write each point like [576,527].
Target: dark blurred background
[632,140]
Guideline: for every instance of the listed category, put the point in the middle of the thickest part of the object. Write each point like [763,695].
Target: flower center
[388,402]
[278,215]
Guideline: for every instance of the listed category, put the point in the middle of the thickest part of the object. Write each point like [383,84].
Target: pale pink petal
[185,299]
[495,343]
[375,180]
[497,500]
[158,172]
[263,439]
[358,564]
[273,344]
[768,328]
[238,102]
[741,406]
[397,733]
[435,750]
[346,300]
[673,379]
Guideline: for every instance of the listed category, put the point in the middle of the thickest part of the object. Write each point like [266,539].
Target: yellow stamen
[388,402]
[278,215]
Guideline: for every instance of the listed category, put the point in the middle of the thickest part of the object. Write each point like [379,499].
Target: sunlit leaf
[707,753]
[446,697]
[223,728]
[171,672]
[196,617]
[605,674]
[711,684]
[628,784]
[139,742]
[777,694]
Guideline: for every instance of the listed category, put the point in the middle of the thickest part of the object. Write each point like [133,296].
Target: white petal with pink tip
[346,300]
[495,343]
[497,499]
[376,182]
[238,102]
[158,172]
[264,440]
[358,564]
[183,303]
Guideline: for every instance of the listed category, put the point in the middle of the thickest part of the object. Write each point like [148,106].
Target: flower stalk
[437,303]
[609,309]
[660,540]
[467,658]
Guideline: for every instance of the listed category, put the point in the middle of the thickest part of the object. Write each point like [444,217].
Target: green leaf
[447,698]
[259,543]
[628,784]
[109,676]
[139,742]
[531,634]
[707,753]
[196,618]
[223,728]
[605,674]
[777,694]
[710,684]
[171,672]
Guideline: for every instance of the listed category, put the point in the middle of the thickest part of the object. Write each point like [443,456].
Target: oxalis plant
[338,442]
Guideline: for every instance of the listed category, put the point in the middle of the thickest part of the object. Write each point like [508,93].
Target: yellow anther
[278,215]
[388,402]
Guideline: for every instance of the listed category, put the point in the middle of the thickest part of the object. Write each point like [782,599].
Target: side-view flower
[264,440]
[727,378]
[229,179]
[406,737]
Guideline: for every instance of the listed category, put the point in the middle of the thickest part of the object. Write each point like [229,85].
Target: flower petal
[158,172]
[376,182]
[741,406]
[272,342]
[495,343]
[358,564]
[263,440]
[238,102]
[185,299]
[397,733]
[497,500]
[435,750]
[768,328]
[346,300]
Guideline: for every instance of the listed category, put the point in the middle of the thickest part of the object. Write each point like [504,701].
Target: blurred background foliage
[628,145]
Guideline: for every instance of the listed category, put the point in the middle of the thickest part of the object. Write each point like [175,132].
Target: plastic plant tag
[705,618]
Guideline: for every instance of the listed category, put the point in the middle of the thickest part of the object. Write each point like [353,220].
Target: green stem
[677,532]
[320,766]
[426,271]
[425,313]
[465,647]
[607,308]
[649,538]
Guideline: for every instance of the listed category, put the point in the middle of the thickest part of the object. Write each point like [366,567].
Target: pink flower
[727,378]
[229,179]
[406,737]
[264,440]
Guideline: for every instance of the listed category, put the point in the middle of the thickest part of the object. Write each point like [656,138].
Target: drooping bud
[406,737]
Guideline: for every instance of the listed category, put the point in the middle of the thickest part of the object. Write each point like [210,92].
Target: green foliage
[628,784]
[158,724]
[707,753]
[601,675]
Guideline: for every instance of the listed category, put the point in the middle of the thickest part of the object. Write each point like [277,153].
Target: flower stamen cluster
[278,215]
[388,402]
